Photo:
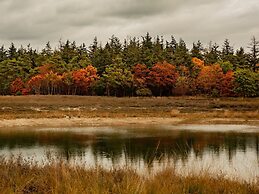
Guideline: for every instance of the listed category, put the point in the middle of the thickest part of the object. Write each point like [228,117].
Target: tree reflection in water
[138,146]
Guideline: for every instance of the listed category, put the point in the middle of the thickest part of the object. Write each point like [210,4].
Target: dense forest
[143,66]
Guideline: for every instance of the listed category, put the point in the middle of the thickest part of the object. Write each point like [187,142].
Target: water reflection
[236,154]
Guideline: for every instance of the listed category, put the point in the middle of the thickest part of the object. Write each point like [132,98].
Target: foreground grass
[17,177]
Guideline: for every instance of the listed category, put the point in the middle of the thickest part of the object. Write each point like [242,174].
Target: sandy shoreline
[150,121]
[69,111]
[69,122]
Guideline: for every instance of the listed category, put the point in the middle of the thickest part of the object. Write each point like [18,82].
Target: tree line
[143,66]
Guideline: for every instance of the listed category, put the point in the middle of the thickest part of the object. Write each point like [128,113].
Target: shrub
[144,92]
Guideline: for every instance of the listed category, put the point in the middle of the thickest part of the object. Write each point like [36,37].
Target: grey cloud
[137,9]
[38,21]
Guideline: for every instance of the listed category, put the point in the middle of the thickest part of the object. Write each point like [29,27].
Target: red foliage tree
[162,77]
[45,82]
[84,78]
[44,69]
[227,84]
[17,86]
[35,83]
[140,75]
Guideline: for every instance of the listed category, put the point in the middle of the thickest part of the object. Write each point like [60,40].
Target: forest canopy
[146,66]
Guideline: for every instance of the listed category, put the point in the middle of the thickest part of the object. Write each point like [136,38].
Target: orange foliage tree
[162,78]
[17,86]
[198,62]
[35,84]
[198,65]
[52,83]
[46,82]
[209,79]
[84,78]
[67,83]
[49,83]
[227,84]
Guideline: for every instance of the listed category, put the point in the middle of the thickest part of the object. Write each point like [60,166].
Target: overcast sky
[39,21]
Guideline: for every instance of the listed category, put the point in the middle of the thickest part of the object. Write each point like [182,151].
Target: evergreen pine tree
[254,53]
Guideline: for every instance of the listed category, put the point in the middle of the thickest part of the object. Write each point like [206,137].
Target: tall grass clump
[18,176]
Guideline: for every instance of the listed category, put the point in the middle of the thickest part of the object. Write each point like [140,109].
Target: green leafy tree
[246,83]
[9,71]
[118,79]
[226,66]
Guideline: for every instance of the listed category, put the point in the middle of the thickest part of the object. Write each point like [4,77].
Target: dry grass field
[189,109]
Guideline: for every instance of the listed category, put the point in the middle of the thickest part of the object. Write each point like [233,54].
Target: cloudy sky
[39,21]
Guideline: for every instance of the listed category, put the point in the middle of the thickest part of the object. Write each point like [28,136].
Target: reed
[19,176]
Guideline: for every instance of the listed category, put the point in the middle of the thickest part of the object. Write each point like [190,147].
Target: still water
[231,150]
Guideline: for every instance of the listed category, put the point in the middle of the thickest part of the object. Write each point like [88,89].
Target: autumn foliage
[163,77]
[141,73]
[83,78]
[17,86]
[144,66]
[209,79]
[76,82]
[160,79]
[227,86]
[35,83]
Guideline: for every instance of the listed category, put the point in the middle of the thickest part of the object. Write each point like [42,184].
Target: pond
[231,150]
